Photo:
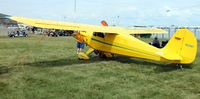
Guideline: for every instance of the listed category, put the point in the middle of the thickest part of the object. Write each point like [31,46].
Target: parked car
[53,34]
[17,33]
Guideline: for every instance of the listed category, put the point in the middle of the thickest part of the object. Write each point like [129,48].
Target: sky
[115,12]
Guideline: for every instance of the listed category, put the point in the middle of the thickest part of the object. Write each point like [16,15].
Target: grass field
[47,68]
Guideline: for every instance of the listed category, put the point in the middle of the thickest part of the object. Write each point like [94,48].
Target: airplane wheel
[102,55]
[96,52]
[80,59]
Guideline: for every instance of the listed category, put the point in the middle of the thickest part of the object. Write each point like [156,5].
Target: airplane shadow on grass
[159,66]
[69,61]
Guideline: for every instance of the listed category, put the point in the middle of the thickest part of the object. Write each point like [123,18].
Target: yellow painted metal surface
[181,48]
[83,56]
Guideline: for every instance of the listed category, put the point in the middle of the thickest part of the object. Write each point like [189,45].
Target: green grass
[47,68]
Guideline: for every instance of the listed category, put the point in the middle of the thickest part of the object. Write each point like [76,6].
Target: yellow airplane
[106,41]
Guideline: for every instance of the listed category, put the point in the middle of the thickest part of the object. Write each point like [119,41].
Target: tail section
[182,47]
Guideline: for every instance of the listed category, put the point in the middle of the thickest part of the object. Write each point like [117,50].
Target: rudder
[183,46]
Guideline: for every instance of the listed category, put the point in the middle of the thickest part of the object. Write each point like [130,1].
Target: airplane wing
[82,27]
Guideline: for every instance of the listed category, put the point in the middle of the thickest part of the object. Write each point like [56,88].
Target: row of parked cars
[18,32]
[59,33]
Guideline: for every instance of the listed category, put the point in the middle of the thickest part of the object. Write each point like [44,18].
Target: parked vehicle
[17,33]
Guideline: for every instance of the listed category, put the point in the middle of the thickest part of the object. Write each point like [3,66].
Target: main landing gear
[84,56]
[101,54]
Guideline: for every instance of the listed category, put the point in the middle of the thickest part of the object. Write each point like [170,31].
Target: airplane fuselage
[126,45]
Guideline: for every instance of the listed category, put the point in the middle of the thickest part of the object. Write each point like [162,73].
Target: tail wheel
[96,52]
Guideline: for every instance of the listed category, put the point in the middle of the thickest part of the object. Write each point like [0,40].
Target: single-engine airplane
[107,40]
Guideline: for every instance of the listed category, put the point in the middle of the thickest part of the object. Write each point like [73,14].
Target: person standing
[80,47]
[156,42]
[80,43]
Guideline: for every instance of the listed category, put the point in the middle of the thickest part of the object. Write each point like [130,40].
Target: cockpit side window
[99,34]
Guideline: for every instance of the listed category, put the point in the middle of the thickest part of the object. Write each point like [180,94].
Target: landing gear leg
[89,51]
[84,56]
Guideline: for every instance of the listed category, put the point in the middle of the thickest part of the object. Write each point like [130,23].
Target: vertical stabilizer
[184,45]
